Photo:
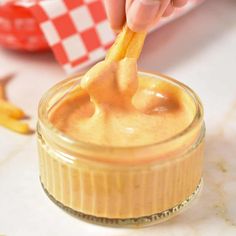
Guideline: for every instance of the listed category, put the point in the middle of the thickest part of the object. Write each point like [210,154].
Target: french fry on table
[11,110]
[14,125]
[11,114]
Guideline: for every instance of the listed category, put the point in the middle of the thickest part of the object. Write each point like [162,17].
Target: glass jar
[121,186]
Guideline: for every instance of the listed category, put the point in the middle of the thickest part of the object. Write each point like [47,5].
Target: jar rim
[50,128]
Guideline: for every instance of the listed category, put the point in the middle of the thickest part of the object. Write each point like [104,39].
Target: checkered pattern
[77,30]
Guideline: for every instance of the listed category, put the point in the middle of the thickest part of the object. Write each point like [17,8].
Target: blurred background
[198,49]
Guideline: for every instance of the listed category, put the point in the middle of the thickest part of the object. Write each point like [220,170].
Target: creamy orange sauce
[113,106]
[116,108]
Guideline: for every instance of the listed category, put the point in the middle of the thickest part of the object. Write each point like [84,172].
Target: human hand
[139,14]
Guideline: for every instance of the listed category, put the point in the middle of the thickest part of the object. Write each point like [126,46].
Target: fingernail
[142,13]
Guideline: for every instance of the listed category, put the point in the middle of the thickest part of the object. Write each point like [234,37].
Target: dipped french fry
[128,44]
[11,110]
[11,114]
[119,47]
[2,92]
[14,125]
[135,46]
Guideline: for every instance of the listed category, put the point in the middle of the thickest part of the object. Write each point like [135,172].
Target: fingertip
[117,30]
[128,4]
[141,14]
[115,13]
[135,27]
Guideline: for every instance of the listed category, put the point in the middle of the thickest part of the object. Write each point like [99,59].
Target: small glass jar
[121,186]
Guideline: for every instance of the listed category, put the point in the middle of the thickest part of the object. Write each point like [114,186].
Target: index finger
[115,13]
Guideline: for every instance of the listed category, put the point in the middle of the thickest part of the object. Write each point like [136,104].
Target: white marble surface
[198,49]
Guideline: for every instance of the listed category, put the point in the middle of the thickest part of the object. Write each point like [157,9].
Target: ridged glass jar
[123,186]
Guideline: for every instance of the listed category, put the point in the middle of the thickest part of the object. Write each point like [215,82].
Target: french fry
[135,46]
[9,113]
[11,110]
[3,83]
[2,92]
[14,125]
[128,44]
[119,47]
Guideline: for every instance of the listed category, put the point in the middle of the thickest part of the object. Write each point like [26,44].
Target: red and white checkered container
[19,29]
[77,31]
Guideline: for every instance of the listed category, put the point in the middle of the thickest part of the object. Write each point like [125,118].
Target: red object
[19,29]
[77,31]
